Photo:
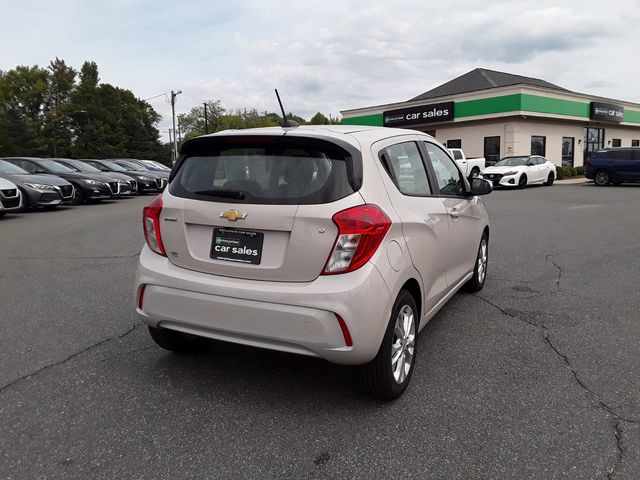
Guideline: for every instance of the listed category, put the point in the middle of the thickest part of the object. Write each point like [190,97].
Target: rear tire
[386,379]
[550,179]
[476,282]
[177,342]
[474,173]
[602,178]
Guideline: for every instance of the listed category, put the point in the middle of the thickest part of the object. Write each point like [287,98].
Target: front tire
[550,179]
[602,178]
[476,282]
[389,373]
[78,195]
[522,181]
[177,342]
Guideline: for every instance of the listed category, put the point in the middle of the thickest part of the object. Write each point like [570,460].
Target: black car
[614,165]
[86,186]
[123,184]
[47,191]
[147,182]
[142,168]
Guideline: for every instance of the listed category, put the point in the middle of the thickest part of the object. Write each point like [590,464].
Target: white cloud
[330,55]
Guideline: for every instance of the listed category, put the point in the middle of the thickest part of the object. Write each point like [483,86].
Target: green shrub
[574,172]
[559,173]
[580,170]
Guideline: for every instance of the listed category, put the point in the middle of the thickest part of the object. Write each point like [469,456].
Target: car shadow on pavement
[238,371]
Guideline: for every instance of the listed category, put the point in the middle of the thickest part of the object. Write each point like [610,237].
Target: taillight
[151,221]
[360,232]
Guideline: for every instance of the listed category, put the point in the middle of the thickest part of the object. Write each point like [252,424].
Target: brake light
[360,232]
[151,222]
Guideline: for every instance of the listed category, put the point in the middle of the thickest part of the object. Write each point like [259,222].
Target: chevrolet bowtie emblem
[233,215]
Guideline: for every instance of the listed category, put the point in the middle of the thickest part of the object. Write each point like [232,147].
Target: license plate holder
[237,245]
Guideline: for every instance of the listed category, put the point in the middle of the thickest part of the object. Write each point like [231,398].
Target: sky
[325,55]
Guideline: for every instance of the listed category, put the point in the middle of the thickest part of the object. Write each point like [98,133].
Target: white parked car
[520,171]
[339,242]
[470,166]
[10,197]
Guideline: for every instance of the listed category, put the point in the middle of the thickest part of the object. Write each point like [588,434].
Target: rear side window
[268,170]
[404,165]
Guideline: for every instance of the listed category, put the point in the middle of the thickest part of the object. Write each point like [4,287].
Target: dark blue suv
[614,165]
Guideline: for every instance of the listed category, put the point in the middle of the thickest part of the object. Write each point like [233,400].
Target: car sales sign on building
[436,112]
[607,112]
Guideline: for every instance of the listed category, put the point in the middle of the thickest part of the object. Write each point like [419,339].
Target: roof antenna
[285,123]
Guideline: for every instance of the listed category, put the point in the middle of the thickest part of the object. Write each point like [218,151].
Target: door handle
[454,212]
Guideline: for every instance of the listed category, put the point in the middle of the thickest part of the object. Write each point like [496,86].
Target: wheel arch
[413,287]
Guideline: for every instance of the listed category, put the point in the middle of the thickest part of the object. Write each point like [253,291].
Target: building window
[567,151]
[538,145]
[457,143]
[616,142]
[491,149]
[635,143]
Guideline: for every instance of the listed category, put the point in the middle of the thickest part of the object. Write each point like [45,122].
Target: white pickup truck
[471,167]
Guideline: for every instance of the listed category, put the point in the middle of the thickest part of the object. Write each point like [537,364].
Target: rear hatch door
[257,208]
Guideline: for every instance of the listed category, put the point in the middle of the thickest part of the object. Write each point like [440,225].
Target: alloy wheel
[403,345]
[602,178]
[483,256]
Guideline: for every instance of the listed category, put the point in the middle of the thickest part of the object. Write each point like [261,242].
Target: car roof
[354,134]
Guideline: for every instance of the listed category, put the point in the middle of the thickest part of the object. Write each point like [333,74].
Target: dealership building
[495,114]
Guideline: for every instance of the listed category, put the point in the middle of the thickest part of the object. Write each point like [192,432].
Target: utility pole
[173,117]
[206,120]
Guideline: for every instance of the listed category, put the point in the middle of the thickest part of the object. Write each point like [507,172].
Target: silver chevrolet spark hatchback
[339,242]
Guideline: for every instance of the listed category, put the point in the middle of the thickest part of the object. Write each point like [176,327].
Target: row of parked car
[29,182]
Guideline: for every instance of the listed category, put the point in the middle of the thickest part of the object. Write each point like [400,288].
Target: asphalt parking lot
[537,376]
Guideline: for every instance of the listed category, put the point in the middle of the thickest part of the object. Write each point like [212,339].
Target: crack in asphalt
[70,357]
[546,259]
[565,358]
[618,433]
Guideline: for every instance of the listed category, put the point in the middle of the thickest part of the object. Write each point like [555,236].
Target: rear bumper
[291,317]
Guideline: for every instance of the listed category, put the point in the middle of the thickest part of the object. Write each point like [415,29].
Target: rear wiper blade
[222,193]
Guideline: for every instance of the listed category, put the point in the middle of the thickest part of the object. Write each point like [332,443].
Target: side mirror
[530,164]
[480,186]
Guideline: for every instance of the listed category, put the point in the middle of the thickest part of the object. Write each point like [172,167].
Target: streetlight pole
[173,116]
[206,120]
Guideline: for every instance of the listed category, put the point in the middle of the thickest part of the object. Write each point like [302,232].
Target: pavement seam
[600,404]
[70,357]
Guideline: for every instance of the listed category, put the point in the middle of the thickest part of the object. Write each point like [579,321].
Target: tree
[61,83]
[319,119]
[192,123]
[23,91]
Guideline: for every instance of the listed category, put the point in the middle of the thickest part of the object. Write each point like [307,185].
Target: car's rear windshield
[265,170]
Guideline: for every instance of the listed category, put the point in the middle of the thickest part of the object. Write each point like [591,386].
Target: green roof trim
[632,116]
[374,120]
[487,106]
[518,102]
[556,106]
